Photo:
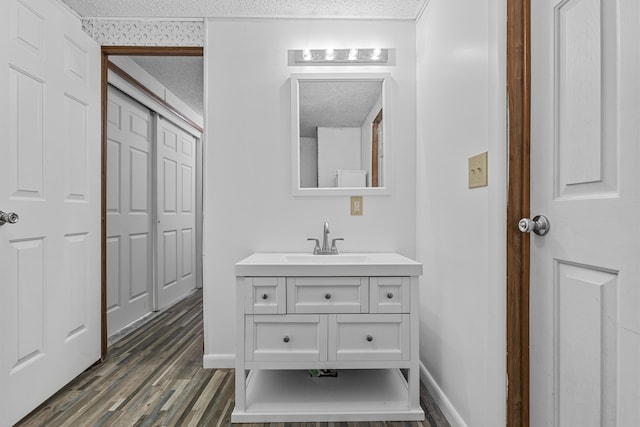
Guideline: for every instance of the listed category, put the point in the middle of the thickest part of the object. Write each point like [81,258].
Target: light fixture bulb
[343,56]
[329,54]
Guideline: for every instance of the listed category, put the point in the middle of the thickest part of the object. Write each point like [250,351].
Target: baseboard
[219,361]
[447,408]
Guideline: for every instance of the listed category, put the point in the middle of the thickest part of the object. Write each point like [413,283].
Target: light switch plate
[478,170]
[356,205]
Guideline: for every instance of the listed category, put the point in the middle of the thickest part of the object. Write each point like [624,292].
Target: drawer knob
[327,295]
[390,295]
[369,338]
[265,296]
[286,339]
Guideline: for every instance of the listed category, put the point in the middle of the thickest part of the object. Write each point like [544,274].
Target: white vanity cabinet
[365,327]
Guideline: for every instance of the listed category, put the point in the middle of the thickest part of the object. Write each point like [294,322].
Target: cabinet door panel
[328,295]
[389,294]
[266,295]
[286,338]
[369,337]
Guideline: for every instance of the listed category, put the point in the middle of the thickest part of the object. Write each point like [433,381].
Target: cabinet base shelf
[354,395]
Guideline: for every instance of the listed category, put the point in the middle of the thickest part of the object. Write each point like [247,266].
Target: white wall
[338,148]
[308,162]
[249,205]
[460,232]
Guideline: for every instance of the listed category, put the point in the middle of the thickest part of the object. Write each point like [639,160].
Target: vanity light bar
[338,56]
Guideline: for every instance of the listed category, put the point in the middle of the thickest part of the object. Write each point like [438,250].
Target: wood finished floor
[154,377]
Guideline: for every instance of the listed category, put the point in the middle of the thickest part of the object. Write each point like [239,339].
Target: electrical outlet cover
[356,205]
[478,170]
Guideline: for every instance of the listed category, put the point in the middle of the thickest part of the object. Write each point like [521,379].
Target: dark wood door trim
[106,51]
[153,50]
[375,146]
[517,286]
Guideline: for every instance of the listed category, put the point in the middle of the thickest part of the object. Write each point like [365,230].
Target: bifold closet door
[129,211]
[176,212]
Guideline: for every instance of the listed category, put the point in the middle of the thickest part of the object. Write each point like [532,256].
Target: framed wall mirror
[341,137]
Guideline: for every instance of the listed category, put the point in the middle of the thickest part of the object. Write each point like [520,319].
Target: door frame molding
[107,51]
[517,284]
[375,146]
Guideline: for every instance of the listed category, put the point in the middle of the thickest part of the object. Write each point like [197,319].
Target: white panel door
[129,211]
[176,212]
[585,274]
[49,176]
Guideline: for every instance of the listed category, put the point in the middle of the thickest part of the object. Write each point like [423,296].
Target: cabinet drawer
[369,337]
[285,338]
[266,295]
[389,294]
[327,295]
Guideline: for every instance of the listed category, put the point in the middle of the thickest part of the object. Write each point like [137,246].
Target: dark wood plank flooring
[154,377]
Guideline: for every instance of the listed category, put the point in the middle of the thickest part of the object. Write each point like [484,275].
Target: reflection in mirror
[340,124]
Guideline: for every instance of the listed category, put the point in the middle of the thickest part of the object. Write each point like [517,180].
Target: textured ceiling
[335,104]
[182,75]
[386,9]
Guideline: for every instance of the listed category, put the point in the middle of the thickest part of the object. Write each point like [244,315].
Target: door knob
[539,224]
[9,217]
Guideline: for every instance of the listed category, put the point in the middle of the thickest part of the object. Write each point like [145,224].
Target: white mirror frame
[387,135]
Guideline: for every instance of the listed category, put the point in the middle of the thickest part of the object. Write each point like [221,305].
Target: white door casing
[176,212]
[49,163]
[585,274]
[129,209]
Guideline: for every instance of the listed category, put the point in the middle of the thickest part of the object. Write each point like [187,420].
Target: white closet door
[49,176]
[176,212]
[129,209]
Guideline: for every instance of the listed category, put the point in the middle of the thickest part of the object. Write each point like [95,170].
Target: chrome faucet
[325,237]
[325,249]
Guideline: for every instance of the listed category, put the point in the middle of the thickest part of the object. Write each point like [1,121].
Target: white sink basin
[328,259]
[285,264]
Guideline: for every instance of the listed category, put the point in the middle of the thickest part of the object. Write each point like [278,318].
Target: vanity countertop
[344,264]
